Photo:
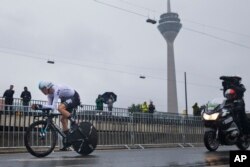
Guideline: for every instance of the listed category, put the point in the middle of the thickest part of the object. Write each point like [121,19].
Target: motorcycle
[221,126]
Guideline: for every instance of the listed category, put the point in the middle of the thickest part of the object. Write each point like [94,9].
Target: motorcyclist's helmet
[230,94]
[45,84]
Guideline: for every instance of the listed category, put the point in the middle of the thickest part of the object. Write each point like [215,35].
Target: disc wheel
[90,136]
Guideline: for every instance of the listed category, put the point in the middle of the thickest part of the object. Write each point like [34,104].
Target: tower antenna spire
[169,7]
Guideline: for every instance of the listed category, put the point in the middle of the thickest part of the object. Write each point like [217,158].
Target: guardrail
[17,106]
[115,128]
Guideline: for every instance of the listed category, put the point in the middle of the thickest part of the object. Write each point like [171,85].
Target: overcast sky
[98,48]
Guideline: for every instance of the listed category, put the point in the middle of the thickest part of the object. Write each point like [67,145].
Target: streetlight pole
[185,79]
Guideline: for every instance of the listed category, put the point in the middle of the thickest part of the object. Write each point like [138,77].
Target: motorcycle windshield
[215,103]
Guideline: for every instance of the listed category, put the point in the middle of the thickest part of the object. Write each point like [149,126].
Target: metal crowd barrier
[116,128]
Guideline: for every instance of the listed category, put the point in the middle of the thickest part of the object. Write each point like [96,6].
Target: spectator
[99,102]
[26,97]
[151,107]
[8,95]
[196,110]
[151,110]
[110,103]
[144,107]
[1,105]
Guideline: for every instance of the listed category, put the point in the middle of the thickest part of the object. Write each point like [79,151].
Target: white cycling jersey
[60,91]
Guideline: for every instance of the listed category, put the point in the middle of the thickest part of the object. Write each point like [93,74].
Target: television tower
[169,26]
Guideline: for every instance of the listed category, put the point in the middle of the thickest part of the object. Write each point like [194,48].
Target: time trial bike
[41,136]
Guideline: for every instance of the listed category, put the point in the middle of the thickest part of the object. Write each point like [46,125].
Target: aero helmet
[230,94]
[45,84]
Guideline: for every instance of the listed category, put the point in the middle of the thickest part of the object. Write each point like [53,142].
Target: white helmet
[45,84]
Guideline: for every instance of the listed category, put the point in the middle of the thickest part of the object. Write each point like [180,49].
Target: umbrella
[107,95]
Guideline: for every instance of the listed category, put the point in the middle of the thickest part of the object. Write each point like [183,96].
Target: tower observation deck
[169,26]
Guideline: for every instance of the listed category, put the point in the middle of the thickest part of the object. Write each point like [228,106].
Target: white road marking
[50,159]
[72,165]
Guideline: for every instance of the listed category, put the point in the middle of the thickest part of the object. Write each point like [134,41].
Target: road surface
[154,157]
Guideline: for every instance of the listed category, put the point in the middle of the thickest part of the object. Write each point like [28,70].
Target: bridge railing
[115,128]
[17,106]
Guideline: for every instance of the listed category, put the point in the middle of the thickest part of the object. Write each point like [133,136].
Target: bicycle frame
[48,117]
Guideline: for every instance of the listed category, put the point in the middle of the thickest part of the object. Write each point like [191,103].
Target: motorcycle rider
[233,82]
[234,90]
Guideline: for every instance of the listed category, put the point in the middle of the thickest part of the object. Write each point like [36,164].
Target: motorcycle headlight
[211,117]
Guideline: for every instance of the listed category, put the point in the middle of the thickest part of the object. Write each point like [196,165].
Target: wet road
[160,157]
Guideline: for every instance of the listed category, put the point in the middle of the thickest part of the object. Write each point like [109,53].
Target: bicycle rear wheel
[40,139]
[90,137]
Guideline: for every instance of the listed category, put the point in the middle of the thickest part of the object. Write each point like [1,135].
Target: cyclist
[70,99]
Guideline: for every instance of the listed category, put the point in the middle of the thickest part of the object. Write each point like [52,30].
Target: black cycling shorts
[71,102]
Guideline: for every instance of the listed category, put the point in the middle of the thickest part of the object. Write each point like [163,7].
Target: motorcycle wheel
[243,144]
[89,145]
[210,141]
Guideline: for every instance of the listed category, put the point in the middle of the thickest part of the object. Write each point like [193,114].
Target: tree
[134,108]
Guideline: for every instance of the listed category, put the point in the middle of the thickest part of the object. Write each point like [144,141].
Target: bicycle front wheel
[40,139]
